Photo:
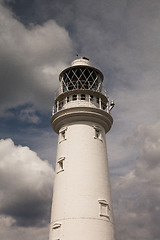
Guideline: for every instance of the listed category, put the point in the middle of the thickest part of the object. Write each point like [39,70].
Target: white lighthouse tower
[82,207]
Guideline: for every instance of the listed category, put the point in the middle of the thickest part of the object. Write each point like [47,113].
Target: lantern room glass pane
[81,78]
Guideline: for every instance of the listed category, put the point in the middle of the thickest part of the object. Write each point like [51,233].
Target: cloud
[136,194]
[26,185]
[29,115]
[8,231]
[122,39]
[31,59]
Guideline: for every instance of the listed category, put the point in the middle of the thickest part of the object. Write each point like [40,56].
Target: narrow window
[74,97]
[67,99]
[83,97]
[56,231]
[98,133]
[97,100]
[104,208]
[60,164]
[62,134]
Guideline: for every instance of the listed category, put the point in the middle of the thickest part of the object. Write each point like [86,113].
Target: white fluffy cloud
[25,185]
[31,58]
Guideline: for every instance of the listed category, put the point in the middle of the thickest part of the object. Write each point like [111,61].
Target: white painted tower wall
[82,207]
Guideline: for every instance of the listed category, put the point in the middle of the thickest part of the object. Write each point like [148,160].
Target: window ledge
[98,139]
[60,171]
[63,140]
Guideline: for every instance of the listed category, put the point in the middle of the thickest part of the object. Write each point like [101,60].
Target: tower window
[74,97]
[56,229]
[60,164]
[104,208]
[62,134]
[97,100]
[83,97]
[98,133]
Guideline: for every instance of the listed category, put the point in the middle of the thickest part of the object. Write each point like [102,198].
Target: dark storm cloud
[117,36]
[29,210]
[26,185]
[30,61]
[136,195]
[40,11]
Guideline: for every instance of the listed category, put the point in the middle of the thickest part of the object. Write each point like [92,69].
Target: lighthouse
[81,204]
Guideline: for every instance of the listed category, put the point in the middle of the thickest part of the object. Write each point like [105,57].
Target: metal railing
[96,103]
[59,91]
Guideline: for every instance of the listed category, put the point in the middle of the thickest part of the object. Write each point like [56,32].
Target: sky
[38,39]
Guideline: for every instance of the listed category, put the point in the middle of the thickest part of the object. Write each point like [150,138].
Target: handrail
[59,91]
[61,105]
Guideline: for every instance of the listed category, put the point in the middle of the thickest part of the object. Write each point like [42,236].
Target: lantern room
[81,75]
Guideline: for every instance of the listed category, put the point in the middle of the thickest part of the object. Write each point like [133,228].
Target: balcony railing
[59,91]
[77,101]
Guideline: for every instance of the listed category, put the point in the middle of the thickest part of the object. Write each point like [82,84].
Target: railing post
[107,107]
[57,106]
[53,110]
[100,103]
